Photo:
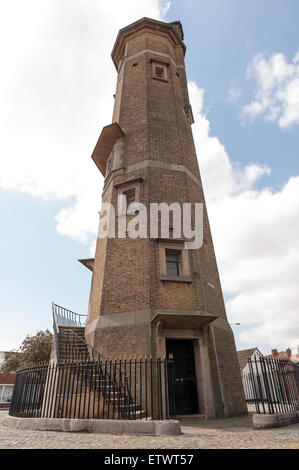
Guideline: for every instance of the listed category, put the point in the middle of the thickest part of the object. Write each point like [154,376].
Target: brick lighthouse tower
[153,296]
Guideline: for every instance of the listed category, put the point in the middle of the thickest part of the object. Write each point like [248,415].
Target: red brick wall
[7,379]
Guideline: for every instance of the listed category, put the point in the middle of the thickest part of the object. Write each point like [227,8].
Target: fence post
[277,385]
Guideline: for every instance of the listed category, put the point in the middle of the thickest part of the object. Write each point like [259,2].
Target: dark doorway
[185,386]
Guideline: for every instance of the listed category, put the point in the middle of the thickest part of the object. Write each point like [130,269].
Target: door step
[190,416]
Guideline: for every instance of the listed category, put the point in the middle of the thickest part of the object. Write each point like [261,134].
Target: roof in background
[245,354]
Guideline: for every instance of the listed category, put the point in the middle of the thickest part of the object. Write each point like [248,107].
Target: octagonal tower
[153,296]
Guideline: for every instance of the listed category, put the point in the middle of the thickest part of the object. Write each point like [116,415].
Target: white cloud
[234,94]
[56,92]
[277,89]
[256,237]
[165,8]
[213,158]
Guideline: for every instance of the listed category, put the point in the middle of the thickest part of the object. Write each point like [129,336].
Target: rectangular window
[130,196]
[189,113]
[159,72]
[172,262]
[7,395]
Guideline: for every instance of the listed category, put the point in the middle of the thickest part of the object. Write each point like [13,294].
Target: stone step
[73,337]
[70,347]
[74,328]
[71,340]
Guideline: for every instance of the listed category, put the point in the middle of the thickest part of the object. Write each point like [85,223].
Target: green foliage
[34,350]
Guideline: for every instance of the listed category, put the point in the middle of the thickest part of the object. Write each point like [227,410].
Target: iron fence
[118,389]
[271,385]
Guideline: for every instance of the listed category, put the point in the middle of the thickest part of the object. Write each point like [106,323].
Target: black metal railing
[271,385]
[72,347]
[65,317]
[118,389]
[62,317]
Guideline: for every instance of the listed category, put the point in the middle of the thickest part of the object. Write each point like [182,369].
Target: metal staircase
[97,374]
[72,345]
[80,383]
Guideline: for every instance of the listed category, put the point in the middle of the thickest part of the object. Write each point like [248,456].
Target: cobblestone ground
[233,433]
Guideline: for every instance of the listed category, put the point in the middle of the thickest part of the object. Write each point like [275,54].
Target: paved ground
[233,433]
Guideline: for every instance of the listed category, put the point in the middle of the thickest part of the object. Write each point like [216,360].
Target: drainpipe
[225,410]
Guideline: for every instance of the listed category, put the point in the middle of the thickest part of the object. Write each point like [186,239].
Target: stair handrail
[56,331]
[66,317]
[55,308]
[68,330]
[124,386]
[56,325]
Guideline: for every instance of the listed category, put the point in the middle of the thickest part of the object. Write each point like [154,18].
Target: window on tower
[109,164]
[172,262]
[131,191]
[189,113]
[160,71]
[130,196]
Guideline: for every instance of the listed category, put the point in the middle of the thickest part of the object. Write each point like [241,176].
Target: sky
[56,93]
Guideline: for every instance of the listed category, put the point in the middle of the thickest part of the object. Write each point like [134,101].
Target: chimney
[274,353]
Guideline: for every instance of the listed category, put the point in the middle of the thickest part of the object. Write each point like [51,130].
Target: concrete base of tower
[226,367]
[101,426]
[207,378]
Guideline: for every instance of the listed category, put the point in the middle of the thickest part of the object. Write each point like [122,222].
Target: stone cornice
[159,27]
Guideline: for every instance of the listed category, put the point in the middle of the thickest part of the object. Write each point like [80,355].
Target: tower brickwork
[137,307]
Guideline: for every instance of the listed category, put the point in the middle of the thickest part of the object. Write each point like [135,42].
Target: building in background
[286,355]
[3,356]
[6,381]
[263,376]
[244,355]
[6,389]
[295,356]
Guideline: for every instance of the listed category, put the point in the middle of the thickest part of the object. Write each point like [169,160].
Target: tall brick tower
[152,296]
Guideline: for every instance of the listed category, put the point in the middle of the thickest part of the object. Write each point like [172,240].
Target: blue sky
[56,93]
[222,38]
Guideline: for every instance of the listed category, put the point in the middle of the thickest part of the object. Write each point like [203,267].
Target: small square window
[172,262]
[159,71]
[131,190]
